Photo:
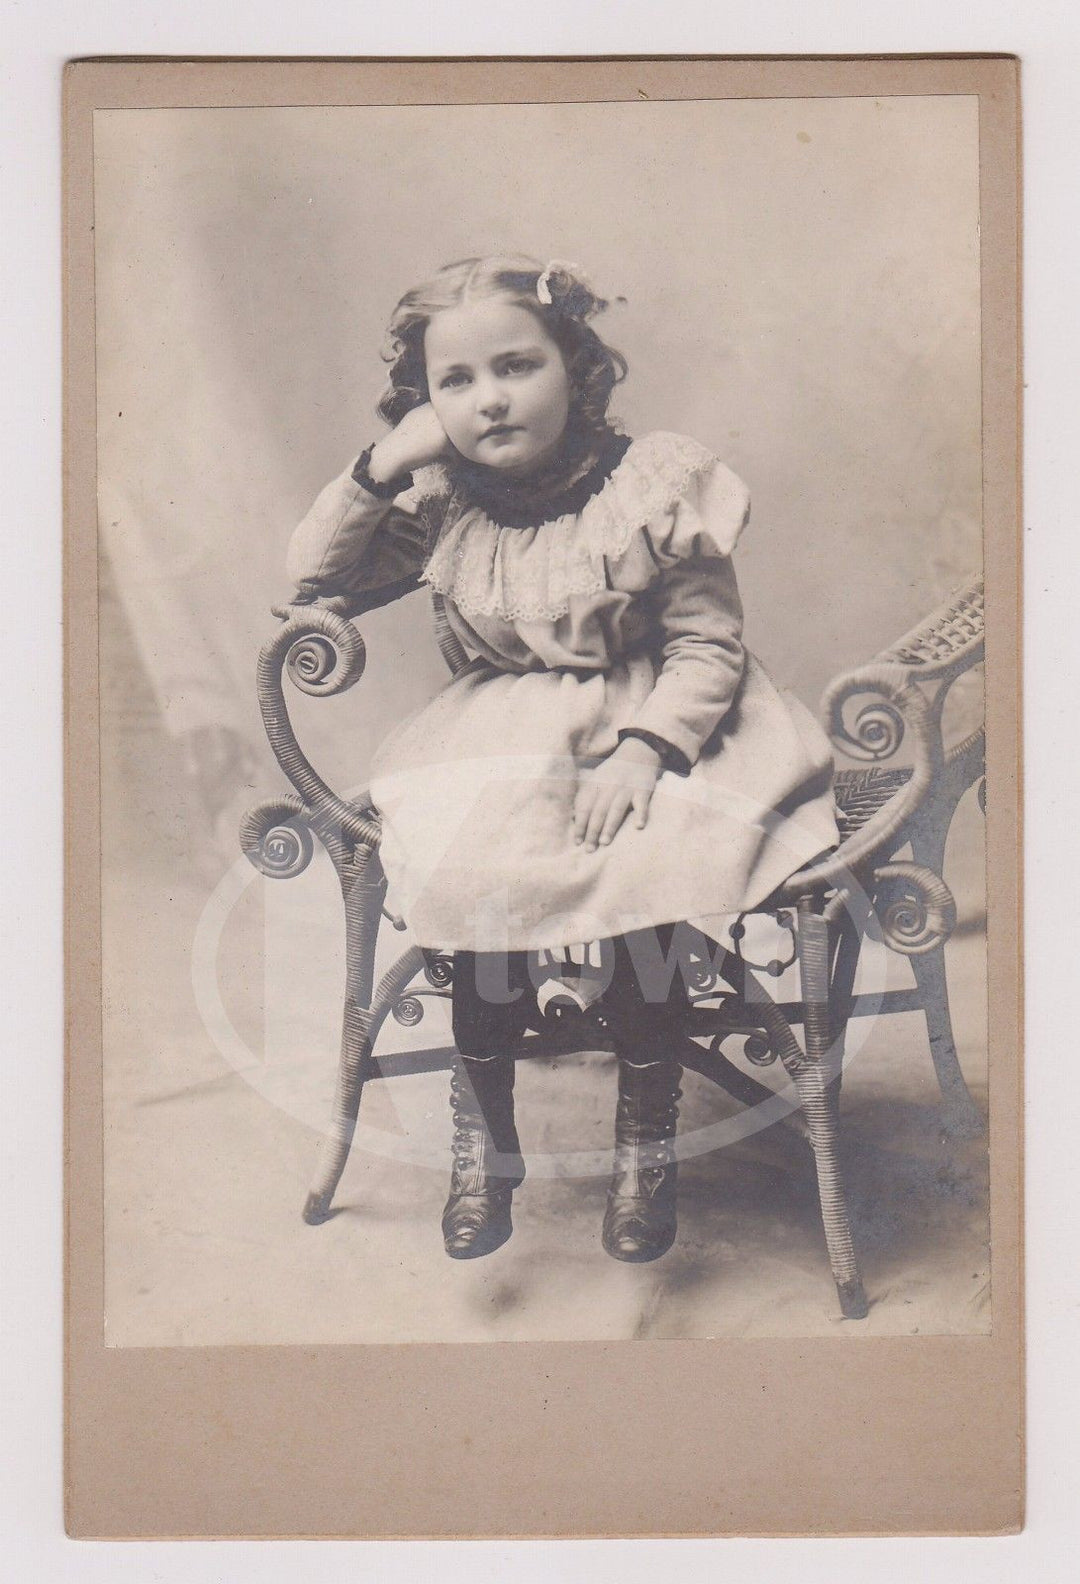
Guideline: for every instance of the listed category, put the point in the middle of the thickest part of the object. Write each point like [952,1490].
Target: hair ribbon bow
[556,266]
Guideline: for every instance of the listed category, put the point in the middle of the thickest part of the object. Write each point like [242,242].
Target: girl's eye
[520,365]
[451,381]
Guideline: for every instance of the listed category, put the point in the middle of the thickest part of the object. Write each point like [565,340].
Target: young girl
[611,760]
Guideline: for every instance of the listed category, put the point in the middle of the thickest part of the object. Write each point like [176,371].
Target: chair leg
[817,1088]
[363,888]
[845,968]
[961,1115]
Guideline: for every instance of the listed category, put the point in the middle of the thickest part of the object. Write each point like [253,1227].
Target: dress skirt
[476,793]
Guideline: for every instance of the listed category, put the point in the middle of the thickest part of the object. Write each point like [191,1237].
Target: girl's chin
[510,465]
[510,459]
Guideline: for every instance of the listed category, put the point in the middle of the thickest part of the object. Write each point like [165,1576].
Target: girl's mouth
[499,429]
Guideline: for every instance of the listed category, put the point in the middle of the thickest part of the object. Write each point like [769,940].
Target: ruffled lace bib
[531,573]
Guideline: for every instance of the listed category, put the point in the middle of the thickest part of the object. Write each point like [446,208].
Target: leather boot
[640,1219]
[487,1157]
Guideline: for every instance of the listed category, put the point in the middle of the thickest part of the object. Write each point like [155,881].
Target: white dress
[623,614]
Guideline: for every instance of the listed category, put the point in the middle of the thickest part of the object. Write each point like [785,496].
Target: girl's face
[498,384]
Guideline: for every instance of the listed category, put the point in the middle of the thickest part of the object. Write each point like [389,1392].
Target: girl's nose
[491,399]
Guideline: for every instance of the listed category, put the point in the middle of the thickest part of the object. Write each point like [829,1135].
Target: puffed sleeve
[696,611]
[352,542]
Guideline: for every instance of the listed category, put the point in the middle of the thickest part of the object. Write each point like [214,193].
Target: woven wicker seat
[888,710]
[861,793]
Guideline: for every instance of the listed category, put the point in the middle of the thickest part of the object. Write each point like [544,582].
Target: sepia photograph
[548,537]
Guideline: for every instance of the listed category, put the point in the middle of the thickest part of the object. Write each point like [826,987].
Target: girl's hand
[625,780]
[417,440]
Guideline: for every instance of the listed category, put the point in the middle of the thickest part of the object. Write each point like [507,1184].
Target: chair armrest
[947,643]
[898,712]
[323,654]
[351,604]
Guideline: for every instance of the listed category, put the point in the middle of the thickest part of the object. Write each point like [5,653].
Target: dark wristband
[385,491]
[671,758]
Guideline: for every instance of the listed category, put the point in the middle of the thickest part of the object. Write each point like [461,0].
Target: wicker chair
[827,907]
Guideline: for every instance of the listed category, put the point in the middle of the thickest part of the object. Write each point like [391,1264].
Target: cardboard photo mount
[828,1436]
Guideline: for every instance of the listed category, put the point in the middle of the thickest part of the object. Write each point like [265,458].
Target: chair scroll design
[894,702]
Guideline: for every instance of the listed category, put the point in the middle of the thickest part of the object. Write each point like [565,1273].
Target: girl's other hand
[625,781]
[417,440]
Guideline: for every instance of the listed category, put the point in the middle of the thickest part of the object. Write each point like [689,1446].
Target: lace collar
[531,573]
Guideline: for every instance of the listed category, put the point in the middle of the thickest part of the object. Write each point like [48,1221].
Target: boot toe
[637,1239]
[640,1217]
[476,1226]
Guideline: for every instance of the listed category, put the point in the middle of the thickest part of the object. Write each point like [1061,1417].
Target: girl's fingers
[594,822]
[641,801]
[597,816]
[617,811]
[608,816]
[583,802]
[590,811]
[600,810]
